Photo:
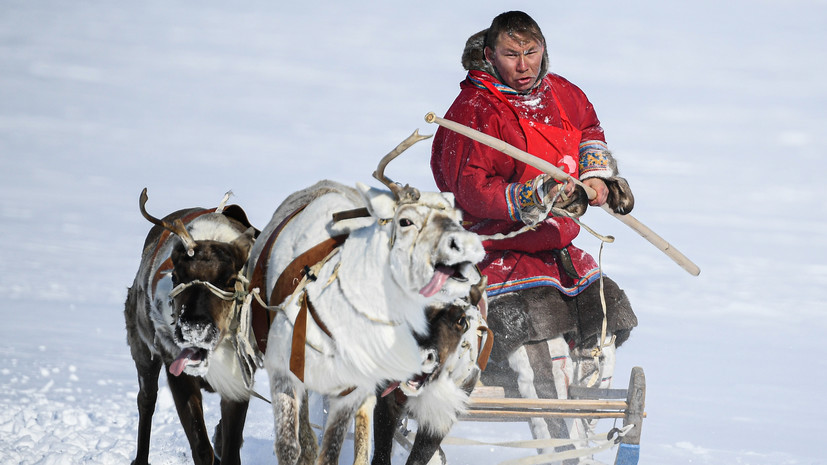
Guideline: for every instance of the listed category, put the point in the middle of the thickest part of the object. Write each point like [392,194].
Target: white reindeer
[366,298]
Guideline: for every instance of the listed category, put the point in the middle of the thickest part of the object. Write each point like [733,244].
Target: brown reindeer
[186,310]
[436,399]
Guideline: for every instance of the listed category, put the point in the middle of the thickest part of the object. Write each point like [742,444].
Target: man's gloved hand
[542,194]
[572,200]
[620,198]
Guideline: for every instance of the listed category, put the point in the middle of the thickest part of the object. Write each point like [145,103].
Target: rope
[597,351]
[248,355]
[557,212]
[220,293]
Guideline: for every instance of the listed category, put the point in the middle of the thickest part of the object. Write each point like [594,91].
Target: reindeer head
[450,349]
[431,253]
[207,293]
[208,285]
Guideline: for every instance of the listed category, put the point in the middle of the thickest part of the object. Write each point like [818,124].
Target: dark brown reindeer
[186,311]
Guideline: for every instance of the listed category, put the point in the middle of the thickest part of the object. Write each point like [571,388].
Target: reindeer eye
[404,222]
[462,323]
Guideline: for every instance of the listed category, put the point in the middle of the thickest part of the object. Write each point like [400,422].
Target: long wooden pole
[561,175]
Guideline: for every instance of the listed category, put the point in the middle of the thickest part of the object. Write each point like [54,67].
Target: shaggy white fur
[370,294]
[443,399]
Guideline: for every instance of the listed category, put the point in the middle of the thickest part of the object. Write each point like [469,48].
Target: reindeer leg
[307,438]
[424,447]
[342,412]
[386,415]
[148,368]
[229,437]
[148,371]
[186,391]
[218,441]
[286,405]
[361,431]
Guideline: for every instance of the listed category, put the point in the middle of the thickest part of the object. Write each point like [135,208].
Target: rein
[237,294]
[240,331]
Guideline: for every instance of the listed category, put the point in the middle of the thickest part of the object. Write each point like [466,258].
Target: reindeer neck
[368,285]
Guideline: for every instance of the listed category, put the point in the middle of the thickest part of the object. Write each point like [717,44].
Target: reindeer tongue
[390,388]
[441,275]
[186,355]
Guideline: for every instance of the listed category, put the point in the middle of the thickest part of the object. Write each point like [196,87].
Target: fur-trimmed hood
[473,57]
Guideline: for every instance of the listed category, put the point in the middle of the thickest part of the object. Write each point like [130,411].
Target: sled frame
[489,404]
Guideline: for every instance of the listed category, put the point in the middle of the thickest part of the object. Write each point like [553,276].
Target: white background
[715,109]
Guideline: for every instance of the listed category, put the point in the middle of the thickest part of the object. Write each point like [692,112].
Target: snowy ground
[713,108]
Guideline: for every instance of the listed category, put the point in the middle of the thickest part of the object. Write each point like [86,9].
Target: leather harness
[286,284]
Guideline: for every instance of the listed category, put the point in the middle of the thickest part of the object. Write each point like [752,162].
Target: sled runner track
[488,403]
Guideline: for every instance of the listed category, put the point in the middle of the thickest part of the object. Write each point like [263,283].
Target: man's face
[517,59]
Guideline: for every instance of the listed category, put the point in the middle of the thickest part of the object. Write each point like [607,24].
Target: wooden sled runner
[489,404]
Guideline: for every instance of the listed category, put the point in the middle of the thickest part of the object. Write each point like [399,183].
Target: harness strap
[297,354]
[166,267]
[485,352]
[286,285]
[348,214]
[261,317]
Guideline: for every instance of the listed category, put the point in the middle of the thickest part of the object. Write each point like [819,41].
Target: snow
[713,109]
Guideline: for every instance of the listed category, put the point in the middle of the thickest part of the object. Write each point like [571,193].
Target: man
[543,301]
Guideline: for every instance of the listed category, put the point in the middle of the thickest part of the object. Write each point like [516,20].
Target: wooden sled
[488,403]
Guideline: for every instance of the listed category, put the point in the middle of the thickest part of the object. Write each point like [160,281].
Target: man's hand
[599,186]
[573,199]
[615,191]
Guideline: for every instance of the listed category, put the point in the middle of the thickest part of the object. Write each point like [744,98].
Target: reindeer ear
[449,197]
[244,243]
[380,203]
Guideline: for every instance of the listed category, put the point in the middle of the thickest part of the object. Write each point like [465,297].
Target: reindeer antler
[406,193]
[478,291]
[177,227]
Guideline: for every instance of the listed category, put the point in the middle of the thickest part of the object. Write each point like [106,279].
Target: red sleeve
[475,173]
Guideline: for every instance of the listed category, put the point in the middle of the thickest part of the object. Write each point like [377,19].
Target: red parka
[481,178]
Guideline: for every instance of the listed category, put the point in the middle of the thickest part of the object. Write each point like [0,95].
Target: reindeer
[185,310]
[436,399]
[397,252]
